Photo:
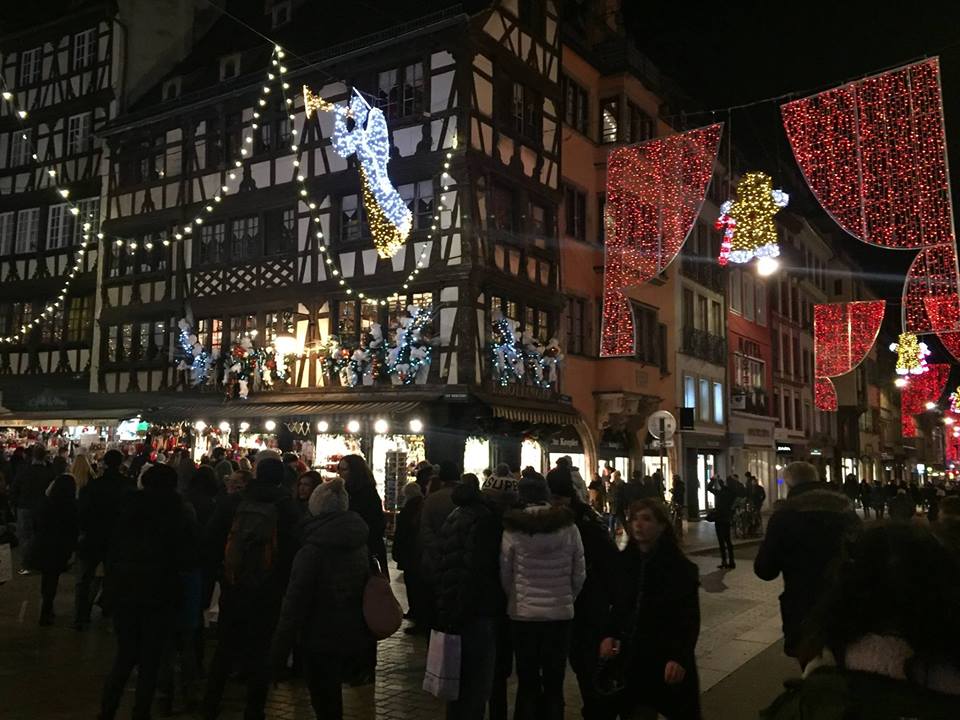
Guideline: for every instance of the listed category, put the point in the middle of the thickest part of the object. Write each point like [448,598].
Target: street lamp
[767,266]
[270,425]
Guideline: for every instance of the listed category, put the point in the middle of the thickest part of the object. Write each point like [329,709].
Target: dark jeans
[726,544]
[478,661]
[242,635]
[503,669]
[142,635]
[541,650]
[180,649]
[84,594]
[48,592]
[325,674]
[647,695]
[26,529]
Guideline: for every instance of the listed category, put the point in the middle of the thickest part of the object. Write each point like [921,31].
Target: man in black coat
[470,600]
[724,495]
[153,541]
[806,534]
[99,507]
[592,606]
[27,494]
[250,607]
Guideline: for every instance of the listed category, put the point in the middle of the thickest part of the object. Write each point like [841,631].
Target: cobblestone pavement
[56,673]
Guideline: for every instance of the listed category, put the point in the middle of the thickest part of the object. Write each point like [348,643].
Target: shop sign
[655,444]
[816,451]
[456,397]
[566,440]
[785,449]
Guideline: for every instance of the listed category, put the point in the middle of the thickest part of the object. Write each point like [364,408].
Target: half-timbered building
[59,82]
[208,221]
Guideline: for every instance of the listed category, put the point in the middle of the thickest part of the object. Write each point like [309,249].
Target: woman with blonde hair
[82,471]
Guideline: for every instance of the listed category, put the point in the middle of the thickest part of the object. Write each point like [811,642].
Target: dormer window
[229,66]
[171,89]
[280,13]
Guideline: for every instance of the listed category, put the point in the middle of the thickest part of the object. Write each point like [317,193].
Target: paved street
[56,673]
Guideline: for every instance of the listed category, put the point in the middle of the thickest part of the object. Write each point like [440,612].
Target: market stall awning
[538,416]
[241,411]
[65,418]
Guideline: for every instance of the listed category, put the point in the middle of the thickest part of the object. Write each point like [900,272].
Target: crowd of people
[524,569]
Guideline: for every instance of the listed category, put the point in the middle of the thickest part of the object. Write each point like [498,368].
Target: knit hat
[561,483]
[269,471]
[329,497]
[534,490]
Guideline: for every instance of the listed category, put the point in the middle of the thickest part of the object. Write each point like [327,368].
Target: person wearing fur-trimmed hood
[542,570]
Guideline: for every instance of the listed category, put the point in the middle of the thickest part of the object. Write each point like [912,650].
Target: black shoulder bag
[609,677]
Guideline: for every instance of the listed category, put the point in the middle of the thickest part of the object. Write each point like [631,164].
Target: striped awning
[242,411]
[65,418]
[536,416]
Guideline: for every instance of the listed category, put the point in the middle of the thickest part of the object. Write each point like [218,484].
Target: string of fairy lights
[275,75]
[55,305]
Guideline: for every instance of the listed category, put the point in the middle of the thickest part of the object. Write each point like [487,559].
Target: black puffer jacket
[99,504]
[804,537]
[468,553]
[324,600]
[56,536]
[600,556]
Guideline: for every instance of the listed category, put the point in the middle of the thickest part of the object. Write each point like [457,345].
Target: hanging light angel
[747,222]
[388,216]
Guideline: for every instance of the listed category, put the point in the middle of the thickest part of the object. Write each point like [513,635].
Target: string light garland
[505,352]
[655,191]
[911,355]
[89,225]
[918,392]
[747,222]
[408,359]
[843,334]
[874,154]
[388,216]
[195,358]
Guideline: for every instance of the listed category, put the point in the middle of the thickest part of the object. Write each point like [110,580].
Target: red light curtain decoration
[874,153]
[931,301]
[918,392]
[951,341]
[654,193]
[843,334]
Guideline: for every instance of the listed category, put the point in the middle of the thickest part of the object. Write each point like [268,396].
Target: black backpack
[250,556]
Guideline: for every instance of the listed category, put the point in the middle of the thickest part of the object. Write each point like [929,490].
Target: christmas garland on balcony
[360,366]
[251,365]
[195,358]
[517,357]
[408,358]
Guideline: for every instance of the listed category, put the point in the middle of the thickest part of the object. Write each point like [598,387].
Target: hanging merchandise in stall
[843,334]
[655,191]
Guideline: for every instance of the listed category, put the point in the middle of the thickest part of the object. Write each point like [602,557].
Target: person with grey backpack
[254,535]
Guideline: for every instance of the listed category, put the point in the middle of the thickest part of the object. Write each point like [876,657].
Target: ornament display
[520,357]
[195,358]
[918,392]
[361,130]
[843,334]
[408,358]
[747,222]
[655,191]
[874,153]
[911,355]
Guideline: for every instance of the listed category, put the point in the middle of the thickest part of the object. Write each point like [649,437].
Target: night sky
[728,54]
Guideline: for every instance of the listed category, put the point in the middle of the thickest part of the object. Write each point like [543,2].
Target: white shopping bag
[6,564]
[212,613]
[442,678]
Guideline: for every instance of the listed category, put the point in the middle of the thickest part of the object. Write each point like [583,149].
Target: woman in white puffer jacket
[542,570]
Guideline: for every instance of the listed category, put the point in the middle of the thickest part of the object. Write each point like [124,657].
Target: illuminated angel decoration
[388,216]
[747,222]
[911,355]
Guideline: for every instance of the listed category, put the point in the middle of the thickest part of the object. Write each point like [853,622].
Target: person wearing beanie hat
[323,605]
[542,572]
[501,487]
[250,605]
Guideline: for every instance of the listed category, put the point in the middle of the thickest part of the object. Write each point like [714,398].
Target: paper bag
[442,678]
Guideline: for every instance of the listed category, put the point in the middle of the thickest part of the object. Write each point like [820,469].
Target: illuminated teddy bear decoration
[911,355]
[388,216]
[747,222]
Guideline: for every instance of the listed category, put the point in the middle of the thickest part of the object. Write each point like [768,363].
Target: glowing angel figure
[388,216]
[747,222]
